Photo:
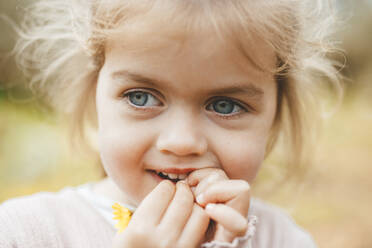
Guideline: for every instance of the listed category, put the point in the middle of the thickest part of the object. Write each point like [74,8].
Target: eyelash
[243,109]
[237,103]
[126,96]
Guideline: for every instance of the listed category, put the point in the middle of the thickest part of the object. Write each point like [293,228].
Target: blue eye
[225,107]
[142,99]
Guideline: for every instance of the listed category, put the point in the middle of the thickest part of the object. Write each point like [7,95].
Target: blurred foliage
[333,201]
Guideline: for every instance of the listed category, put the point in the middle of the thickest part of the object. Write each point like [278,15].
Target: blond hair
[62,48]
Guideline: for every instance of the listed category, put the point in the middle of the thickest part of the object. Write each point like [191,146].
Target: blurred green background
[333,200]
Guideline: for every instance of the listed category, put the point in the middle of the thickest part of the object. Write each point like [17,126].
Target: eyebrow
[247,88]
[135,77]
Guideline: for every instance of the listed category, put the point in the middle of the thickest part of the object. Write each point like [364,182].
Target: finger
[196,176]
[195,229]
[235,193]
[205,183]
[154,205]
[178,212]
[235,223]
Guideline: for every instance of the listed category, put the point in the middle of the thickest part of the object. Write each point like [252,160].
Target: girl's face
[182,107]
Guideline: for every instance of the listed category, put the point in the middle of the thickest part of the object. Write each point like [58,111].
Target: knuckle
[241,227]
[219,173]
[213,177]
[166,243]
[244,186]
[216,174]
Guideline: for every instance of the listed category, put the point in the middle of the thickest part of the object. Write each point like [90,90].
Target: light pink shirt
[76,217]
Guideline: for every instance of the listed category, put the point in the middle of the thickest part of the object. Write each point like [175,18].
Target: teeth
[182,176]
[173,176]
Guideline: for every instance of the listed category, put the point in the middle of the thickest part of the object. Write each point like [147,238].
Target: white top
[103,206]
[77,217]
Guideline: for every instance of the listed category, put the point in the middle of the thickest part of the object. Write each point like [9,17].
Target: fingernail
[210,206]
[179,183]
[200,199]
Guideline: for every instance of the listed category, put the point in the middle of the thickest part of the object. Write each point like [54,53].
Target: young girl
[187,98]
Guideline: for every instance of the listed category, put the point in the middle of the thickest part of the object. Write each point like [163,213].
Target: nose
[181,136]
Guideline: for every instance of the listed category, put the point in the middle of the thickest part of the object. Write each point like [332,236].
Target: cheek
[242,158]
[122,148]
[121,152]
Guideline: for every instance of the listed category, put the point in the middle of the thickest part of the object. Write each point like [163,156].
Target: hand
[226,201]
[167,217]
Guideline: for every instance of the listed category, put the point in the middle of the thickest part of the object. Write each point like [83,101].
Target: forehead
[193,51]
[201,26]
[198,50]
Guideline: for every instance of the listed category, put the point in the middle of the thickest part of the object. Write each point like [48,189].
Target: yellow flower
[123,216]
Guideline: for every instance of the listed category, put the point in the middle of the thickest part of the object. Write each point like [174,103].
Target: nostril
[181,147]
[181,152]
